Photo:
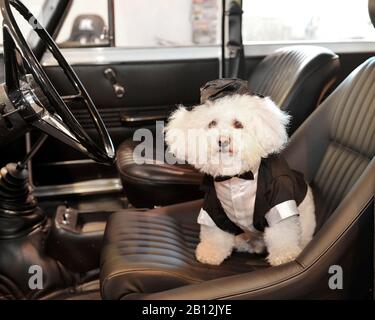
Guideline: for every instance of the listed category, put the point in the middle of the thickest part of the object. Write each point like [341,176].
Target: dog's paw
[208,254]
[284,257]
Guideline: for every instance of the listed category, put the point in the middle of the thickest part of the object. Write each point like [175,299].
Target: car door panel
[152,90]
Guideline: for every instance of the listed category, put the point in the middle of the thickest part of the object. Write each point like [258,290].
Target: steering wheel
[35,98]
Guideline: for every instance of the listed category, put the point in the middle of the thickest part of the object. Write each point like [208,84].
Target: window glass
[86,25]
[296,20]
[36,7]
[167,23]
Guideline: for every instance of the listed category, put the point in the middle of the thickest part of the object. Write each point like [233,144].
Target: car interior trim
[258,49]
[91,187]
[100,56]
[90,56]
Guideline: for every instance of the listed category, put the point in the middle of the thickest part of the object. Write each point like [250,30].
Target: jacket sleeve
[281,198]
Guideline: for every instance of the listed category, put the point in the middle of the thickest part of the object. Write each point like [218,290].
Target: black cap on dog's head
[220,88]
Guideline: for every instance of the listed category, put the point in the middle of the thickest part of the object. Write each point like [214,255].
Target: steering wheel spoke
[73,98]
[55,127]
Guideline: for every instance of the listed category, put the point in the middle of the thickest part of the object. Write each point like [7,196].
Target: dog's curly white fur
[263,132]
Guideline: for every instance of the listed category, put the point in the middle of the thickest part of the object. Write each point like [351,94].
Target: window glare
[167,23]
[296,20]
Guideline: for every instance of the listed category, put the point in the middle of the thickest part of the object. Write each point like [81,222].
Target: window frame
[264,48]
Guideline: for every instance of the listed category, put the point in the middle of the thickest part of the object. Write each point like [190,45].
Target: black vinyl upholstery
[294,77]
[154,251]
[155,183]
[150,255]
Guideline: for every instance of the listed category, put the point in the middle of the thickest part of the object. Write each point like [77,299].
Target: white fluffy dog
[270,209]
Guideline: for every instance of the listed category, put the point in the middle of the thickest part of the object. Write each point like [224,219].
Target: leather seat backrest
[351,138]
[295,77]
[344,126]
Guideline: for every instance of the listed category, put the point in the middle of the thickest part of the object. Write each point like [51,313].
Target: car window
[36,7]
[296,20]
[166,23]
[86,25]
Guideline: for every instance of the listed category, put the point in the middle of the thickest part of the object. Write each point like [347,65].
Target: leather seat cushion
[146,252]
[160,182]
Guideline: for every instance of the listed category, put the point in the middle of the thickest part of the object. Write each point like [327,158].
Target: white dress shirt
[237,197]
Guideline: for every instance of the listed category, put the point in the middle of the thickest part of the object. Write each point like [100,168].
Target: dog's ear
[269,125]
[176,132]
[178,119]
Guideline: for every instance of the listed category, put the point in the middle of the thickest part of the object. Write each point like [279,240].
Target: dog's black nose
[223,143]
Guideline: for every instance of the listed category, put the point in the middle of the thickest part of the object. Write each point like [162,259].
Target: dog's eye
[237,124]
[212,124]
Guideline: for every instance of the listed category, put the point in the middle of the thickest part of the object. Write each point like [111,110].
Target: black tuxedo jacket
[277,183]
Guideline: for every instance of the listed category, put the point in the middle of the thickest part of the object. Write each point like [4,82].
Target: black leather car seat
[150,255]
[294,77]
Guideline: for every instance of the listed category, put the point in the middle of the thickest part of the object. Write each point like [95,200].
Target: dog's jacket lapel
[213,207]
[277,184]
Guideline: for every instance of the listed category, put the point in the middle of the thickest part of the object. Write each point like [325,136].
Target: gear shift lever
[22,164]
[19,212]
